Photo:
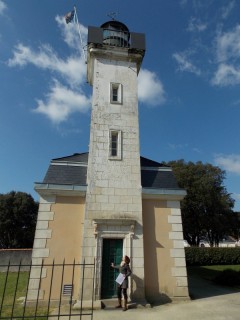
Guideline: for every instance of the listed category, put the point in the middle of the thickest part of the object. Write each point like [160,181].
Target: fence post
[93,291]
[50,288]
[73,271]
[25,302]
[5,285]
[60,297]
[40,277]
[15,292]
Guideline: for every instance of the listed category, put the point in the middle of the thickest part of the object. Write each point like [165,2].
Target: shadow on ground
[200,288]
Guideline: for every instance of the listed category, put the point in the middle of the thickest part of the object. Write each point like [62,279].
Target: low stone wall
[15,257]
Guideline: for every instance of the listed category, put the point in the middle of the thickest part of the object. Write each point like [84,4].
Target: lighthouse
[100,205]
[114,194]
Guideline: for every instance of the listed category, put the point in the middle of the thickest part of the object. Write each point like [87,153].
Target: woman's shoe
[119,304]
[125,305]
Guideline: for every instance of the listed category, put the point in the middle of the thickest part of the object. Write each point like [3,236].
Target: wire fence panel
[46,291]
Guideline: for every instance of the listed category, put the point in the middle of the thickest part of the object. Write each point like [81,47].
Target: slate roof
[158,179]
[76,157]
[72,170]
[150,163]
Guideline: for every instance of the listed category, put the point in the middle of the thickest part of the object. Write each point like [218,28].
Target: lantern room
[113,39]
[115,33]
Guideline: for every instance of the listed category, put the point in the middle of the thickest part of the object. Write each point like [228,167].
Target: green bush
[196,256]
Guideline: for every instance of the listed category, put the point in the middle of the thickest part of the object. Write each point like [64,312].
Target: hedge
[197,256]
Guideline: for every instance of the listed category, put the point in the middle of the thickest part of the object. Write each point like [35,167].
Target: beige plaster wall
[159,283]
[65,243]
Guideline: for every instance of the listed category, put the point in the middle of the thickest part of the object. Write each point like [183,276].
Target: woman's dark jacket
[125,269]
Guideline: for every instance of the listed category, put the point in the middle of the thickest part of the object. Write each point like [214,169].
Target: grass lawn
[16,287]
[213,272]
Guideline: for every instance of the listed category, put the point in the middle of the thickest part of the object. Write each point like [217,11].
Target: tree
[236,230]
[18,216]
[207,208]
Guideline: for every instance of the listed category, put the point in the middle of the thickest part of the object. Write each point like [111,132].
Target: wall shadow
[160,297]
[200,288]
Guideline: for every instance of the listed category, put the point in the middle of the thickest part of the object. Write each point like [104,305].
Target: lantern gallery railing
[116,38]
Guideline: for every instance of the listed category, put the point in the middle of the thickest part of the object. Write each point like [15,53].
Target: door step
[112,303]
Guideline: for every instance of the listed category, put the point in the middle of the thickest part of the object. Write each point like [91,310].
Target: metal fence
[59,293]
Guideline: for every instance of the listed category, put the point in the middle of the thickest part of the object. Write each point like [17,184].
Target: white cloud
[196,25]
[73,69]
[177,146]
[150,88]
[228,45]
[228,9]
[184,64]
[2,7]
[45,58]
[61,102]
[236,196]
[183,3]
[65,94]
[71,34]
[226,75]
[228,58]
[181,146]
[236,103]
[197,150]
[229,163]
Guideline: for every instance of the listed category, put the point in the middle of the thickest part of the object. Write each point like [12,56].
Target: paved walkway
[209,302]
[225,307]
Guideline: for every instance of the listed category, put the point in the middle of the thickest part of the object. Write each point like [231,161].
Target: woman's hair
[127,259]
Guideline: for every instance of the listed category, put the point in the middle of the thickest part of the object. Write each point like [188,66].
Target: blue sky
[189,85]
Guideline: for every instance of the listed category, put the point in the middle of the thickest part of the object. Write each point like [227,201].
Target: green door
[112,252]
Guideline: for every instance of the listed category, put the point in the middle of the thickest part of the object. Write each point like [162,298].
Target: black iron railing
[59,288]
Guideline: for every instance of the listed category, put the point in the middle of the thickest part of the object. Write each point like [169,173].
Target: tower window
[114,144]
[116,93]
[115,147]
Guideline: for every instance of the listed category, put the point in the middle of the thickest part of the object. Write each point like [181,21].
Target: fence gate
[59,287]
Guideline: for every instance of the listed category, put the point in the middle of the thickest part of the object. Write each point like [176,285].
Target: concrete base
[108,304]
[111,304]
[87,305]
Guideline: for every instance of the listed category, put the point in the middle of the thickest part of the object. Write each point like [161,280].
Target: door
[112,252]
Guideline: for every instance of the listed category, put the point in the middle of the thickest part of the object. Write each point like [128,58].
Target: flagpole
[79,32]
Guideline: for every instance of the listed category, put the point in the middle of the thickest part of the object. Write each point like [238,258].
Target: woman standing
[125,270]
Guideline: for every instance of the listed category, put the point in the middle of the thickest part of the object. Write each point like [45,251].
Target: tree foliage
[18,215]
[207,208]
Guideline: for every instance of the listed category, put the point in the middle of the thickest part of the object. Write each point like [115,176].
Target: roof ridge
[70,156]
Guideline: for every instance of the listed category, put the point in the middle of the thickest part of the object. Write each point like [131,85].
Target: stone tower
[114,194]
